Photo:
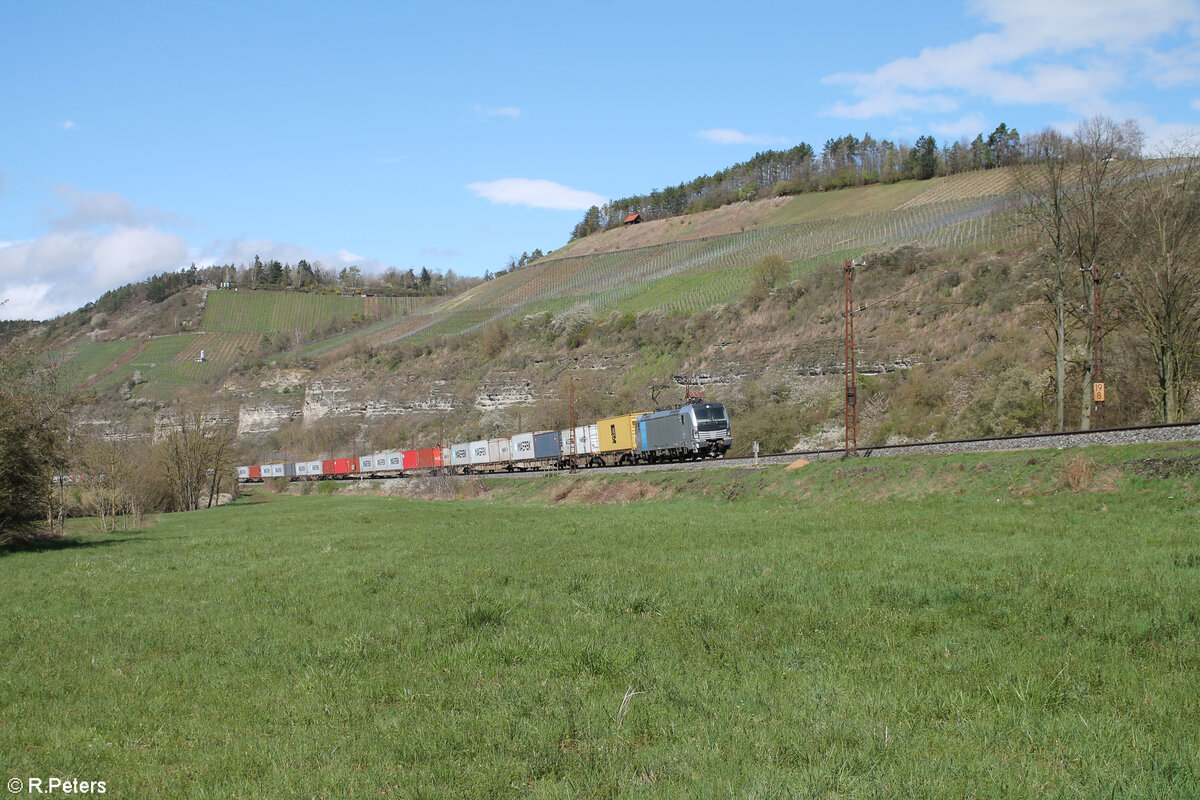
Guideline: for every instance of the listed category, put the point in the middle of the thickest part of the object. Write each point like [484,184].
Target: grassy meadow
[994,627]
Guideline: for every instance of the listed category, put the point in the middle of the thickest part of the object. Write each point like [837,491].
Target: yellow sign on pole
[1098,392]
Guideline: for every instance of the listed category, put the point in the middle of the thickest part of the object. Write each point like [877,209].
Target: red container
[256,472]
[429,458]
[339,466]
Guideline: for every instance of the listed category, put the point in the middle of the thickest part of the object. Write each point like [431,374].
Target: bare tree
[1107,155]
[112,471]
[1044,208]
[196,451]
[1160,270]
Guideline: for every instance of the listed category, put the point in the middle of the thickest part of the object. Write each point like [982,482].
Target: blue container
[545,445]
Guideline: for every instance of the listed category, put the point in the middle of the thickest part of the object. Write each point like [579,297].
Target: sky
[137,138]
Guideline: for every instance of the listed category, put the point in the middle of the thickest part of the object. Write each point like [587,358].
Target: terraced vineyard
[220,347]
[165,363]
[87,361]
[275,312]
[694,274]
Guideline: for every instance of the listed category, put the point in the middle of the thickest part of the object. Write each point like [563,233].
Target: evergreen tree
[922,161]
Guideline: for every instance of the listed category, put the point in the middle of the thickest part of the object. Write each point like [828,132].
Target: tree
[112,471]
[33,435]
[195,452]
[1106,154]
[589,225]
[1073,197]
[1003,146]
[1160,272]
[304,273]
[260,272]
[922,160]
[274,272]
[766,276]
[1044,205]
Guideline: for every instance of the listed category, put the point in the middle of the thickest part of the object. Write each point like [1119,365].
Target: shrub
[1077,474]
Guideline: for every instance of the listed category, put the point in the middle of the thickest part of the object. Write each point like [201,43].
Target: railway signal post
[1097,353]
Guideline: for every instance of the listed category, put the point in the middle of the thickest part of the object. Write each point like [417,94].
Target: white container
[521,447]
[460,455]
[500,451]
[479,452]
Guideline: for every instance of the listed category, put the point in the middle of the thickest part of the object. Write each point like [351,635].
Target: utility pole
[573,446]
[1097,353]
[851,392]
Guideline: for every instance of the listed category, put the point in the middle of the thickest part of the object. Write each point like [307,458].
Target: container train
[694,431]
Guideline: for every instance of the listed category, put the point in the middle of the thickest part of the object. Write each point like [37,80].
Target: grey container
[665,430]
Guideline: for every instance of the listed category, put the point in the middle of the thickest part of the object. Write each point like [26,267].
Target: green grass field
[891,628]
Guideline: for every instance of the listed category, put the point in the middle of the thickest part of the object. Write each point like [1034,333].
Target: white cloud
[970,124]
[130,254]
[26,301]
[536,193]
[91,210]
[1070,52]
[733,136]
[79,265]
[1196,104]
[69,125]
[243,251]
[100,241]
[1161,135]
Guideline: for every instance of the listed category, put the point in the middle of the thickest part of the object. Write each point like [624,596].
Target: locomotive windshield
[711,417]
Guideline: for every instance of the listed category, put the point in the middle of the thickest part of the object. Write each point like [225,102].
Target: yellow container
[618,433]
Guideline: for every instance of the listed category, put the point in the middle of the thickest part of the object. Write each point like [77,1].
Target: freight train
[693,431]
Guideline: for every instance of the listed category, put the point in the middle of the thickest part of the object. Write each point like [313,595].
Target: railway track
[1137,434]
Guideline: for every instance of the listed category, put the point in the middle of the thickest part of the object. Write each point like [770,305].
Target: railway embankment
[1162,471]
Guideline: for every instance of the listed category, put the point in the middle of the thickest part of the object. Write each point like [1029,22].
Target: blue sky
[140,137]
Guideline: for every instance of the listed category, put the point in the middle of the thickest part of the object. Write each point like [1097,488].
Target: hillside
[949,340]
